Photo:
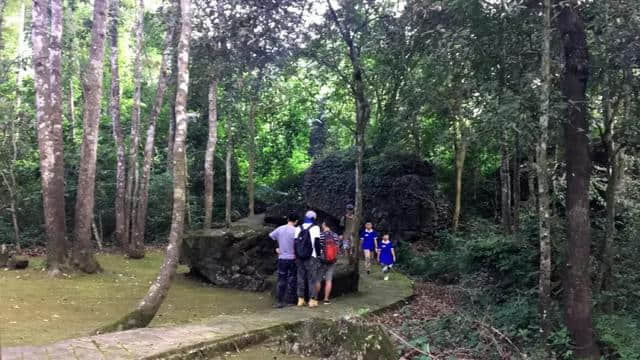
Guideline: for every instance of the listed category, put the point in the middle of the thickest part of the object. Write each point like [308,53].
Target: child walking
[387,255]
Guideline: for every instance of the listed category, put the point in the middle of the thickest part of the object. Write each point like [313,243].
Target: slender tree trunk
[2,5]
[149,305]
[137,240]
[515,190]
[460,155]
[132,171]
[531,182]
[171,136]
[227,167]
[114,108]
[96,234]
[209,157]
[14,132]
[615,154]
[186,188]
[11,188]
[577,287]
[544,209]
[83,257]
[50,160]
[505,189]
[252,154]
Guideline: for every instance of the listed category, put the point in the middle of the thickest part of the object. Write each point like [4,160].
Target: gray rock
[240,257]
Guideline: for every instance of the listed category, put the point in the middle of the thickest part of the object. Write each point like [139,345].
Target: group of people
[307,254]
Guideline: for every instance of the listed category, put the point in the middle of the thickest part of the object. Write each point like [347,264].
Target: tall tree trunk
[227,168]
[460,143]
[132,171]
[577,287]
[149,305]
[505,188]
[14,132]
[50,159]
[138,228]
[82,254]
[114,109]
[171,136]
[544,209]
[251,132]
[209,157]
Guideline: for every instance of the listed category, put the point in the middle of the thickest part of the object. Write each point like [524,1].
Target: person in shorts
[369,240]
[327,269]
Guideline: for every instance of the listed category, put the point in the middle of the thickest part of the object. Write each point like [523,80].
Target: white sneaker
[386,278]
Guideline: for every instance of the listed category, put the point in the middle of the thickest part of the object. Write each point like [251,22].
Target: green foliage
[620,333]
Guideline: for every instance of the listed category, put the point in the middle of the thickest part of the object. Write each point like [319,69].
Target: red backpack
[330,250]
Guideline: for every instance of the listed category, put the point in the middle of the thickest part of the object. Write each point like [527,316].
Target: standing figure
[386,255]
[369,240]
[285,235]
[346,223]
[306,245]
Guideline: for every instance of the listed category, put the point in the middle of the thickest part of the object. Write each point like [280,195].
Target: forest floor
[36,309]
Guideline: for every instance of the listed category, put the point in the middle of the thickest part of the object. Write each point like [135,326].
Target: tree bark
[51,160]
[149,305]
[505,189]
[138,228]
[578,171]
[251,132]
[515,190]
[83,258]
[227,168]
[132,171]
[460,144]
[11,188]
[544,209]
[363,113]
[114,109]
[209,157]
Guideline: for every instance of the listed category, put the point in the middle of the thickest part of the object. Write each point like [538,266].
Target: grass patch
[36,309]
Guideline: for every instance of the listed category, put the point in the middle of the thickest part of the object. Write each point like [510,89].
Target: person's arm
[375,242]
[393,252]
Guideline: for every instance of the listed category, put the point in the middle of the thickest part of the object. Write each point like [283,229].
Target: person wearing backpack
[306,248]
[329,248]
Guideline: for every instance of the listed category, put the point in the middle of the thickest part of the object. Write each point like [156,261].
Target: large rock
[400,194]
[241,257]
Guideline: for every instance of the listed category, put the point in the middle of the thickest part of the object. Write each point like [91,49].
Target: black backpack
[303,246]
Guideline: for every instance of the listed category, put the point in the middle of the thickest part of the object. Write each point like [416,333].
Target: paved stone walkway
[165,342]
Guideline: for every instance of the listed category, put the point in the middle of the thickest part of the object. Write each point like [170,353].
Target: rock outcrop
[240,257]
[400,194]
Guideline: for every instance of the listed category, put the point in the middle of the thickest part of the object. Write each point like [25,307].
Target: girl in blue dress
[387,255]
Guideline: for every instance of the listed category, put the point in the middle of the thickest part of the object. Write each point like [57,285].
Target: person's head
[368,225]
[326,225]
[349,209]
[292,219]
[310,216]
[385,237]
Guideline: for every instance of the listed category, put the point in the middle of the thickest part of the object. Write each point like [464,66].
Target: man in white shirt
[308,268]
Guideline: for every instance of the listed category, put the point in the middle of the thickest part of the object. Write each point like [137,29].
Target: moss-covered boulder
[400,194]
[241,257]
[342,339]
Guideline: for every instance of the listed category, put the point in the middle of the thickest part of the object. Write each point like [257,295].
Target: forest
[125,124]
